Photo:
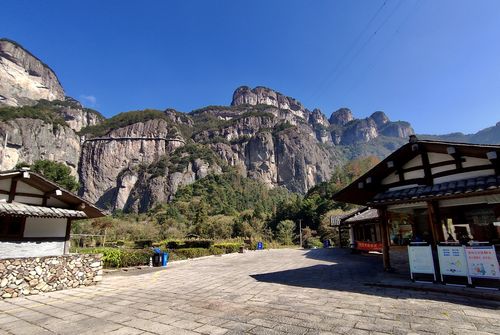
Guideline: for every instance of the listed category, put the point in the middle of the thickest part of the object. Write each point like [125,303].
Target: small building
[36,215]
[35,223]
[364,229]
[432,191]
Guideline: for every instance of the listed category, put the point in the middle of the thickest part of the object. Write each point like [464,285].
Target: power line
[348,51]
[372,65]
[363,46]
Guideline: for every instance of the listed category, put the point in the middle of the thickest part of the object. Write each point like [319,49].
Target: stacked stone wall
[26,276]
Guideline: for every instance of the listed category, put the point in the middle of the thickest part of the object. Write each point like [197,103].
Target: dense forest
[227,205]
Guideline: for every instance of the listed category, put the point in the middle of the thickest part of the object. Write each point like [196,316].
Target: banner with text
[482,262]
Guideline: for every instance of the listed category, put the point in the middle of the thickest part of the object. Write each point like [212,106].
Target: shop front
[443,197]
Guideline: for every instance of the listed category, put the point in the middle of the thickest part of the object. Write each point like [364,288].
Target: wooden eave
[363,196]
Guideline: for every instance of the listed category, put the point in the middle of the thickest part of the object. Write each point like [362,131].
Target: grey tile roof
[457,187]
[369,214]
[18,209]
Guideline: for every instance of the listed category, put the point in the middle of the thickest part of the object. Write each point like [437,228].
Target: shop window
[471,223]
[11,227]
[401,232]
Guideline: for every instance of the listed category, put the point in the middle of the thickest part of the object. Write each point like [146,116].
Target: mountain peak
[380,118]
[341,116]
[261,95]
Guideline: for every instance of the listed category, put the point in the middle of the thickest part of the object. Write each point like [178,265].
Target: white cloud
[89,100]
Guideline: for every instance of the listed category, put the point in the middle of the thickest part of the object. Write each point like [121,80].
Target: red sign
[369,246]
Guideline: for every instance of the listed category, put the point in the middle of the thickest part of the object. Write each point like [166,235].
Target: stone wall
[25,276]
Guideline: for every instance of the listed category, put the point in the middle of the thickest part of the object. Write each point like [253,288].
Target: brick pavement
[267,292]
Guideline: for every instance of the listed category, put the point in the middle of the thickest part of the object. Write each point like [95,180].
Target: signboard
[260,246]
[482,262]
[452,260]
[421,260]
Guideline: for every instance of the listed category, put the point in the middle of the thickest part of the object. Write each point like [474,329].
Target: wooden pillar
[433,222]
[384,225]
[67,239]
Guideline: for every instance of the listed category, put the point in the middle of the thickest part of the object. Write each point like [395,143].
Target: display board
[452,261]
[482,262]
[420,259]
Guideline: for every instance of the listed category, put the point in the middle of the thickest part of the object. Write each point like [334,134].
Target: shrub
[111,257]
[135,257]
[115,258]
[228,247]
[141,244]
[198,244]
[192,252]
[313,242]
[175,244]
[285,232]
[217,250]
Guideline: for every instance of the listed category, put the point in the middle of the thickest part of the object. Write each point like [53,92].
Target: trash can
[164,259]
[260,246]
[157,257]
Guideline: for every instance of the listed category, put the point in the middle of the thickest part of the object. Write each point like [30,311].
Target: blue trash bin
[164,259]
[260,246]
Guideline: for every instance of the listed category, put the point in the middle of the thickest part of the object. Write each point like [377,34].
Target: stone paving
[264,292]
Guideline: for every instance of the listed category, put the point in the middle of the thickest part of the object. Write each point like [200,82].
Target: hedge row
[115,258]
[188,244]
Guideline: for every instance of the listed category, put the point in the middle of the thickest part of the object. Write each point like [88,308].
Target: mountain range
[135,160]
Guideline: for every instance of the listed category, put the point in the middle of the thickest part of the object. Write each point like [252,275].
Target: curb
[469,294]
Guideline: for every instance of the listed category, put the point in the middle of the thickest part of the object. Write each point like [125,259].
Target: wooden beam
[24,194]
[384,225]
[465,169]
[433,223]
[12,192]
[427,167]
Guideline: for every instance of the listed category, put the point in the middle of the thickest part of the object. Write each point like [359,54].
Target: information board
[452,260]
[482,262]
[421,261]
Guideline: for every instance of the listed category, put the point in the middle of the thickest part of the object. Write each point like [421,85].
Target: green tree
[57,172]
[285,232]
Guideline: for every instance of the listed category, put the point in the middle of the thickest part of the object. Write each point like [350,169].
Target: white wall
[45,227]
[31,249]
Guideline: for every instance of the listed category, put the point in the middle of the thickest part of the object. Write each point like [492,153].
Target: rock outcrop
[77,116]
[24,79]
[28,140]
[341,117]
[104,158]
[260,95]
[347,130]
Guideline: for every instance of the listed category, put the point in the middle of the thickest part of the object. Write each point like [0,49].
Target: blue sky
[433,63]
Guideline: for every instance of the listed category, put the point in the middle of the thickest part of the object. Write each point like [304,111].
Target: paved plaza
[285,291]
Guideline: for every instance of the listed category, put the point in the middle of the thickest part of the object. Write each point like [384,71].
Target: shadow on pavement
[355,273]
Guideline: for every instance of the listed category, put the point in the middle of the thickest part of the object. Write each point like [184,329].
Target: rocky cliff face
[105,157]
[28,140]
[24,79]
[347,130]
[77,116]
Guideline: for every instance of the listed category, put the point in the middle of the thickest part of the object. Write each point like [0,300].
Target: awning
[18,209]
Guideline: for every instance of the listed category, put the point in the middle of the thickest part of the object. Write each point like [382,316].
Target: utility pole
[300,232]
